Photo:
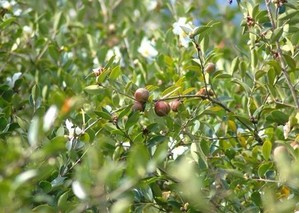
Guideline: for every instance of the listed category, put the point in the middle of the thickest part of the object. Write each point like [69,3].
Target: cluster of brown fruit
[162,108]
[141,97]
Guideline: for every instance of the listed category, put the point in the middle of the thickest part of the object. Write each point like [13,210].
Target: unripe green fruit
[162,108]
[174,105]
[141,95]
[210,67]
[137,106]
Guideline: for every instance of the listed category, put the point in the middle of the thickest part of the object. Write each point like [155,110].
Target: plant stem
[214,101]
[280,57]
[198,50]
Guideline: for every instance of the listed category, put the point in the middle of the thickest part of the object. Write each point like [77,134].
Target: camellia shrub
[149,106]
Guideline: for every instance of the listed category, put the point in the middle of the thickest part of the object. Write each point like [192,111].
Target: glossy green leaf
[93,89]
[266,149]
[277,117]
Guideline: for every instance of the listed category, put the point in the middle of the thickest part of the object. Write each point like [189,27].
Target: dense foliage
[74,136]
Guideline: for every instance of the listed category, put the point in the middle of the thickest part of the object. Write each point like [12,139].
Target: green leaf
[271,76]
[53,51]
[266,149]
[138,160]
[44,208]
[168,60]
[102,77]
[169,91]
[264,168]
[115,73]
[259,74]
[290,61]
[262,16]
[62,201]
[256,198]
[104,115]
[156,140]
[57,21]
[56,146]
[187,91]
[277,117]
[242,84]
[276,35]
[199,30]
[132,120]
[46,186]
[255,11]
[234,65]
[93,89]
[290,13]
[7,22]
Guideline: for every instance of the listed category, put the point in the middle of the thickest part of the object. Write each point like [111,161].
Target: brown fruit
[210,67]
[174,105]
[141,95]
[137,106]
[162,108]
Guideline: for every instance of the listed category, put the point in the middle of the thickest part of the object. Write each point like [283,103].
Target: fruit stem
[280,57]
[214,101]
[199,53]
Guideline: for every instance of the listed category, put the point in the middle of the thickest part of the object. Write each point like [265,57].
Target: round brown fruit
[210,67]
[137,106]
[162,108]
[174,105]
[141,95]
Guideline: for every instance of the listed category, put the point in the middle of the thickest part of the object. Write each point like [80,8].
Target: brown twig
[214,101]
[199,53]
[280,57]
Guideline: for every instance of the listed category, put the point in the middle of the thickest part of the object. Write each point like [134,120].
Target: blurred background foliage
[70,142]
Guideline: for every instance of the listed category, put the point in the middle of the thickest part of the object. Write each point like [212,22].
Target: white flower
[286,129]
[72,13]
[126,145]
[115,52]
[11,81]
[79,190]
[17,12]
[27,30]
[72,129]
[147,49]
[182,29]
[50,117]
[177,151]
[151,4]
[96,62]
[8,4]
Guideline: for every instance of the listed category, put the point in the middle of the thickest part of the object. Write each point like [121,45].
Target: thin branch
[264,180]
[104,10]
[214,101]
[280,57]
[199,54]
